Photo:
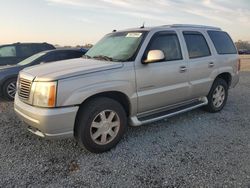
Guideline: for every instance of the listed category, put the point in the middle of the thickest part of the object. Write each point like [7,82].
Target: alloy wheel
[218,96]
[105,127]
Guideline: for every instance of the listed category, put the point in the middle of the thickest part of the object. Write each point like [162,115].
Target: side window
[75,54]
[50,57]
[57,56]
[62,55]
[168,43]
[26,50]
[196,45]
[222,42]
[8,51]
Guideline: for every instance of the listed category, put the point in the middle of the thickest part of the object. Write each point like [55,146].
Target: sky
[77,22]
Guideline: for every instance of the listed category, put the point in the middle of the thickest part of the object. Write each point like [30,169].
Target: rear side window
[168,43]
[222,42]
[196,44]
[8,51]
[26,50]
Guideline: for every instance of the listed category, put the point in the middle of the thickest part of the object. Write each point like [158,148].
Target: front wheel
[9,89]
[217,96]
[100,124]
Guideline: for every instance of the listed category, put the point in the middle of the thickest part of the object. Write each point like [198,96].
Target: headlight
[45,94]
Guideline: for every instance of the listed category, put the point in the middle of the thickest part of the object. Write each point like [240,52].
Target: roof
[186,26]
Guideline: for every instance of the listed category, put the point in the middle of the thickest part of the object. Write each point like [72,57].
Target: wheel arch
[115,95]
[226,76]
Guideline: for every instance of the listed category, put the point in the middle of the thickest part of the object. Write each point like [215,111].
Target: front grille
[24,89]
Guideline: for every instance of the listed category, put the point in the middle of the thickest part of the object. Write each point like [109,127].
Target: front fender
[79,95]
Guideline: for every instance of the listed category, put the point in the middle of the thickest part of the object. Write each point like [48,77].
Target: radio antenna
[142,25]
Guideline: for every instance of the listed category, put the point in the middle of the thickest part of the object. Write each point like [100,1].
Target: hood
[68,68]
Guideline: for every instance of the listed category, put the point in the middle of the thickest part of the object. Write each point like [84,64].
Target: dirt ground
[245,62]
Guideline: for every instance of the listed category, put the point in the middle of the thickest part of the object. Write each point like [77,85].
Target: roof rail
[192,26]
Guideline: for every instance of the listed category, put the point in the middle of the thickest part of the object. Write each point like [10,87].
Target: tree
[242,45]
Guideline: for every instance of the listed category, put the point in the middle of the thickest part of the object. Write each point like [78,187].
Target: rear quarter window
[222,42]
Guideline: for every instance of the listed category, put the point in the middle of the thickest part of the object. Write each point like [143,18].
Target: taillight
[238,65]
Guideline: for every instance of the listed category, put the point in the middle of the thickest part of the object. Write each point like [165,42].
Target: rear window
[196,44]
[222,42]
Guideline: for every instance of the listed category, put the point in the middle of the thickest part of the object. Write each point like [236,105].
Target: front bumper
[45,122]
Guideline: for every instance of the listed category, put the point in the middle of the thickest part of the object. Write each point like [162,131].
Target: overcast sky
[71,22]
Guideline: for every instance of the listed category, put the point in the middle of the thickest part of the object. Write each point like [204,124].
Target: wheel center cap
[106,126]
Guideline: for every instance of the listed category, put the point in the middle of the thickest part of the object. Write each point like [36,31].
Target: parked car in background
[243,51]
[135,77]
[11,54]
[9,73]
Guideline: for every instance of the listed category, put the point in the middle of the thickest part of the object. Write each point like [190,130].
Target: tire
[9,89]
[101,116]
[218,85]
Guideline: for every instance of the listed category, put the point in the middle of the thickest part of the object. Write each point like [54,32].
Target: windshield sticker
[134,35]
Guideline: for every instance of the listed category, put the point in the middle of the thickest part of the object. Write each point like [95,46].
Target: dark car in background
[244,51]
[11,54]
[9,73]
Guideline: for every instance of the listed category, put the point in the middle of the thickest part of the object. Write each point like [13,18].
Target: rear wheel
[100,124]
[217,96]
[9,89]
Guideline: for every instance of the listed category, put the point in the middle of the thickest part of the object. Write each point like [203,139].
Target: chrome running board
[137,121]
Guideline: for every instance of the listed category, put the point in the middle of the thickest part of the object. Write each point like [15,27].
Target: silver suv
[135,76]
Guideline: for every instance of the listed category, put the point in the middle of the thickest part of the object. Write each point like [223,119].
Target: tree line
[242,45]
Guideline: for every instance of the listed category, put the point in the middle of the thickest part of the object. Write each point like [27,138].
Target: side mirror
[154,56]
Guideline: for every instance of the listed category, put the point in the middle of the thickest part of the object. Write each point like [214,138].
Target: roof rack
[192,26]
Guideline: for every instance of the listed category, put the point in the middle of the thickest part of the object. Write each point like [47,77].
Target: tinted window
[59,55]
[42,47]
[26,50]
[52,56]
[196,44]
[222,42]
[168,43]
[8,51]
[75,54]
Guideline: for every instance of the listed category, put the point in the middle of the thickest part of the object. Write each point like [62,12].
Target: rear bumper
[50,123]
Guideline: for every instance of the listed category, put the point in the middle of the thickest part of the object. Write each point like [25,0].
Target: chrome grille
[24,89]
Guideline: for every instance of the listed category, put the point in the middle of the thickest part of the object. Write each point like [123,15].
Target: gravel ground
[195,149]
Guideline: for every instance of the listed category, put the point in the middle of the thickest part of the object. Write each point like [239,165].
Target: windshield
[120,46]
[31,58]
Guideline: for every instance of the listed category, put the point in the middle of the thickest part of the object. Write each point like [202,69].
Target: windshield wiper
[103,57]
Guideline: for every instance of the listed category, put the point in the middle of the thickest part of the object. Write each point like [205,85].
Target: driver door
[162,83]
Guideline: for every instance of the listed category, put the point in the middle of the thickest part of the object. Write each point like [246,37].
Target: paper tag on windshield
[135,35]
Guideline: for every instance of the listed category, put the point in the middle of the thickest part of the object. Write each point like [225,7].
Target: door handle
[210,64]
[183,69]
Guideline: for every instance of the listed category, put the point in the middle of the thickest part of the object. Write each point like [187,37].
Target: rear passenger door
[201,63]
[162,83]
